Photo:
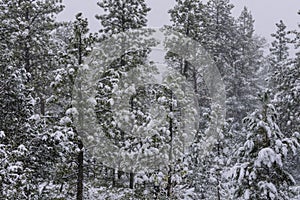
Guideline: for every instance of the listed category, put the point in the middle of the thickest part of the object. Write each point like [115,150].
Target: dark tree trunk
[79,50]
[79,195]
[26,46]
[169,185]
[131,180]
[113,177]
[195,80]
[185,69]
[120,173]
[42,104]
[1,189]
[157,191]
[80,145]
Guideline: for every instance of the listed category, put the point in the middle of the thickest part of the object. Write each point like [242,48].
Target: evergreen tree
[42,155]
[119,17]
[219,38]
[250,60]
[297,43]
[212,25]
[188,18]
[279,55]
[25,45]
[284,79]
[218,30]
[280,46]
[122,15]
[259,172]
[286,90]
[75,45]
[17,129]
[26,28]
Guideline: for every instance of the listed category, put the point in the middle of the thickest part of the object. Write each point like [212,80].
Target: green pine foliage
[259,170]
[44,151]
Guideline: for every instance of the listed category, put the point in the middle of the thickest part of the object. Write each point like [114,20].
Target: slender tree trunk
[120,173]
[131,180]
[80,144]
[26,48]
[195,80]
[219,195]
[42,104]
[219,172]
[185,68]
[80,173]
[61,187]
[169,185]
[27,60]
[113,177]
[1,189]
[157,191]
[79,50]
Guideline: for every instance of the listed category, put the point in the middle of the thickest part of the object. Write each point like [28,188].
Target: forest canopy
[55,128]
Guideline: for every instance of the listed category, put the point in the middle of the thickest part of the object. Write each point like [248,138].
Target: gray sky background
[265,12]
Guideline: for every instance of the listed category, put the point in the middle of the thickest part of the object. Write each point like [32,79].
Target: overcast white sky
[265,12]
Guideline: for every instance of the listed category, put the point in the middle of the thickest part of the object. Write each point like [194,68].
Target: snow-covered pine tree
[75,43]
[217,31]
[176,100]
[285,78]
[219,37]
[259,172]
[122,15]
[82,46]
[288,103]
[286,90]
[188,18]
[212,25]
[297,42]
[248,63]
[25,45]
[16,130]
[26,28]
[279,54]
[119,16]
[280,45]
